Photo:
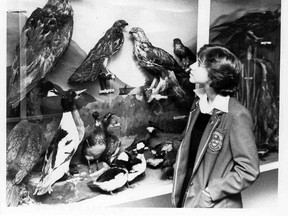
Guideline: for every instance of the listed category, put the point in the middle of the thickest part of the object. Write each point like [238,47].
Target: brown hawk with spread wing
[44,39]
[95,64]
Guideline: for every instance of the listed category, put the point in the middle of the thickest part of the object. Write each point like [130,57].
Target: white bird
[64,144]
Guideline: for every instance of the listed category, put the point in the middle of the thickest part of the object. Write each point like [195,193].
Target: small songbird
[185,55]
[95,64]
[95,144]
[110,180]
[111,124]
[159,63]
[44,39]
[252,25]
[64,144]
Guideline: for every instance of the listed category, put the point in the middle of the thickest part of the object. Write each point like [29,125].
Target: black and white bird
[95,64]
[152,131]
[185,55]
[160,64]
[64,144]
[95,144]
[110,180]
[44,39]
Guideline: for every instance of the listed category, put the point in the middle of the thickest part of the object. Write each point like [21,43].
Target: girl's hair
[223,68]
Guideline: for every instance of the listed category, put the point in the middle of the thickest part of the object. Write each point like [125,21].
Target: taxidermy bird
[64,144]
[170,158]
[27,141]
[23,152]
[159,63]
[110,180]
[145,137]
[44,39]
[138,164]
[95,144]
[111,124]
[185,55]
[252,25]
[134,162]
[95,64]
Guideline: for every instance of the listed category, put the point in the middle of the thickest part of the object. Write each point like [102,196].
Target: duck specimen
[110,180]
[185,55]
[134,162]
[151,132]
[44,39]
[95,64]
[111,124]
[138,164]
[170,158]
[159,63]
[95,144]
[64,144]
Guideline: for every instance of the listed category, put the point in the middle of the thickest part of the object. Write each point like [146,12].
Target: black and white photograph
[111,106]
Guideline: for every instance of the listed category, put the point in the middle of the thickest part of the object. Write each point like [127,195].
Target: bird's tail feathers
[12,194]
[175,85]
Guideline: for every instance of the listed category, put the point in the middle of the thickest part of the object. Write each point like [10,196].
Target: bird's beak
[79,92]
[58,93]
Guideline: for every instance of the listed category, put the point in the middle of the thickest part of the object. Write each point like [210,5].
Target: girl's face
[198,74]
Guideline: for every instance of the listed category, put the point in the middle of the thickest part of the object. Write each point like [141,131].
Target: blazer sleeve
[245,157]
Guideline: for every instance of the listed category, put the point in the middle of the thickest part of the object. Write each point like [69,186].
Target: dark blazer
[226,162]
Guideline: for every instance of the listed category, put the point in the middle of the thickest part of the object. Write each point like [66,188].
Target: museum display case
[96,48]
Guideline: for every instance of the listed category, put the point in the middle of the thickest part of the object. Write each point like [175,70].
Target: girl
[218,156]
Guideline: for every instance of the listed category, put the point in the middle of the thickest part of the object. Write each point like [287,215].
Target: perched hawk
[185,55]
[95,64]
[159,63]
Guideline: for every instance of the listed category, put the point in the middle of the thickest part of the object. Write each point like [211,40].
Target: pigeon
[95,64]
[44,39]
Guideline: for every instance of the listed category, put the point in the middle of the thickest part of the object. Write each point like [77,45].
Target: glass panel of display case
[114,50]
[251,29]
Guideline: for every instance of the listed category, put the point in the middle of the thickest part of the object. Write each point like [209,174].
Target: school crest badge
[216,141]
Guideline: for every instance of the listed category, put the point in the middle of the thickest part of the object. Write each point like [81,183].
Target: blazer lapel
[212,124]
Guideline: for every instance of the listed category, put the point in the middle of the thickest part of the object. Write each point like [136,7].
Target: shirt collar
[220,102]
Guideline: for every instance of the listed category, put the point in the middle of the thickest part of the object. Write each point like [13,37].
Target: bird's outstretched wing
[95,63]
[44,38]
[257,23]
